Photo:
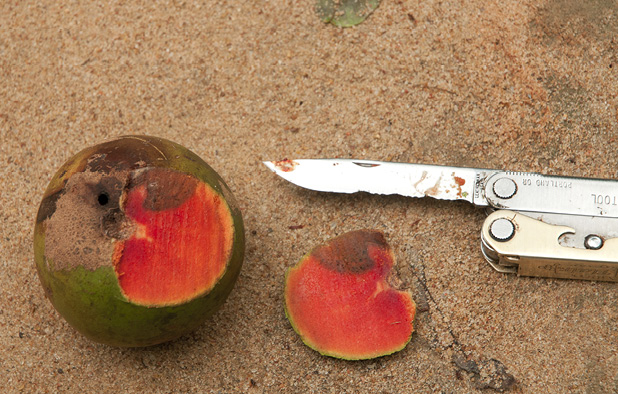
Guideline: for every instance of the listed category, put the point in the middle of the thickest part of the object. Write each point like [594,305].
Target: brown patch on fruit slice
[346,312]
[182,242]
[344,256]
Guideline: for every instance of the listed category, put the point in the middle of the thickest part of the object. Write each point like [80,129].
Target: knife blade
[378,177]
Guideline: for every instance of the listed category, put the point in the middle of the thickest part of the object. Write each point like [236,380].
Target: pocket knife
[539,225]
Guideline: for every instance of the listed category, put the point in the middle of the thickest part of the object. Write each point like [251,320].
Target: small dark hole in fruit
[103,199]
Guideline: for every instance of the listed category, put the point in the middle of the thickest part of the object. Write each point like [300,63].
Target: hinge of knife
[515,243]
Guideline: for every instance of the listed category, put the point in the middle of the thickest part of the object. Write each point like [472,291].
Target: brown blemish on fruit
[107,191]
[80,232]
[48,206]
[350,251]
[124,154]
[165,189]
[115,225]
[147,141]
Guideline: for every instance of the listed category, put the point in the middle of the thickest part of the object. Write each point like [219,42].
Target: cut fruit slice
[339,301]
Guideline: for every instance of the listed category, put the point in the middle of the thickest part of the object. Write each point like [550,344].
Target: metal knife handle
[531,192]
[516,243]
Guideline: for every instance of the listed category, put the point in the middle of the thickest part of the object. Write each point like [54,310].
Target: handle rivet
[593,242]
[505,188]
[502,230]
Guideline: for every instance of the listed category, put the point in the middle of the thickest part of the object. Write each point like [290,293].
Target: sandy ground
[519,85]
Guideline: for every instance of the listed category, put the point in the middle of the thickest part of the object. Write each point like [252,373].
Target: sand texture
[520,85]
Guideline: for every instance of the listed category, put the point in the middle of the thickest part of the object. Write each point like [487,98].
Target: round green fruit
[137,241]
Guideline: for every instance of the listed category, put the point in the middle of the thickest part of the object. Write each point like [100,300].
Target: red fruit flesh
[340,303]
[175,254]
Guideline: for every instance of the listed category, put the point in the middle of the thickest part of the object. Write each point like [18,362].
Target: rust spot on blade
[285,165]
[460,182]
